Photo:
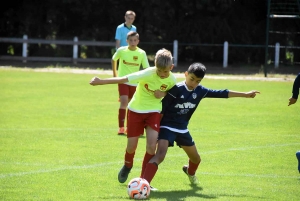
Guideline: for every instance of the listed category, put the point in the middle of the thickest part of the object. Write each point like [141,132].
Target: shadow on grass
[181,194]
[193,193]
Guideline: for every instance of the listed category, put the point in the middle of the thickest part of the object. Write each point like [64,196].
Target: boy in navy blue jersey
[295,91]
[178,106]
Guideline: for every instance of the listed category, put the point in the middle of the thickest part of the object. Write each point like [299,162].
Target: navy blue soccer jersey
[180,103]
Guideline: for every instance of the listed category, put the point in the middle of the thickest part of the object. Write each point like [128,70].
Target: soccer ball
[138,188]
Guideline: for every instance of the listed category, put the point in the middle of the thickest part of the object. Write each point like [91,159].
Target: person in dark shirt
[178,106]
[295,91]
[292,100]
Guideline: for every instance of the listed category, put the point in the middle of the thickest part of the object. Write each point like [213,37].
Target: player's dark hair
[132,33]
[198,69]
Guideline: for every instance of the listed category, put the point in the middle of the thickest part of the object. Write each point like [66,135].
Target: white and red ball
[138,188]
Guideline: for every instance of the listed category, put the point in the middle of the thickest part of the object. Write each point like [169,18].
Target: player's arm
[296,86]
[250,94]
[117,44]
[114,67]
[113,80]
[145,62]
[159,94]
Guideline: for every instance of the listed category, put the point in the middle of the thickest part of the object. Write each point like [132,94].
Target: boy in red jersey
[130,59]
[145,106]
[177,108]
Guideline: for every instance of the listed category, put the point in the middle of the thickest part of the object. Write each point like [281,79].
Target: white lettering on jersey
[185,105]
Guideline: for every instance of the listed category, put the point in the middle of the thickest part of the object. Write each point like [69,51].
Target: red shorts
[126,90]
[137,122]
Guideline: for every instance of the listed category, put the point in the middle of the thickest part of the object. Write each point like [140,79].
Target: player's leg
[152,122]
[136,126]
[123,96]
[186,142]
[298,157]
[194,161]
[152,166]
[166,138]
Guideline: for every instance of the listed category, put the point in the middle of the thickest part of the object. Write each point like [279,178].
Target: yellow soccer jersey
[143,100]
[130,61]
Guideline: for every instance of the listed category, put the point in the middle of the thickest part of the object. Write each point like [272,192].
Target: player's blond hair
[163,58]
[130,12]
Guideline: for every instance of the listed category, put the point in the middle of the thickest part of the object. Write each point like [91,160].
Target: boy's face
[164,72]
[191,80]
[129,19]
[133,41]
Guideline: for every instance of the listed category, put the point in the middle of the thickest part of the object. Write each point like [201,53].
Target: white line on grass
[139,159]
[77,167]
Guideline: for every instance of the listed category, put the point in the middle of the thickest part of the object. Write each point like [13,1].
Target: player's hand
[252,94]
[95,81]
[292,101]
[159,94]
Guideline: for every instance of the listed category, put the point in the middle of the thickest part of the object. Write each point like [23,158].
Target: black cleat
[123,174]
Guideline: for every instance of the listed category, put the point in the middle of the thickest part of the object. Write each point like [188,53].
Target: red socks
[147,158]
[192,168]
[150,171]
[129,159]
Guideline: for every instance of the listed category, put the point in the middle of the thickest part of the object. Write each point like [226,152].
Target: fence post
[175,52]
[225,55]
[277,51]
[75,50]
[24,51]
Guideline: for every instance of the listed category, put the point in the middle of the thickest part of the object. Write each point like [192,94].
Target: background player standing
[130,58]
[123,29]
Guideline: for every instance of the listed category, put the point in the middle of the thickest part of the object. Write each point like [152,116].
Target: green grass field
[58,141]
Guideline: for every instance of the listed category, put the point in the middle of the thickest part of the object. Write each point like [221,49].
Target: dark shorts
[137,122]
[181,139]
[126,90]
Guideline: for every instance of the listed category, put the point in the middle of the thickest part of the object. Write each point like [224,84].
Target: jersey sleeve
[145,62]
[211,93]
[296,87]
[116,55]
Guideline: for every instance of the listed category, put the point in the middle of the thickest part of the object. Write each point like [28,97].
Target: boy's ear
[186,73]
[171,68]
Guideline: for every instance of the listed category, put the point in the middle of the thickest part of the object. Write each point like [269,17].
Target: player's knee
[160,157]
[196,159]
[151,149]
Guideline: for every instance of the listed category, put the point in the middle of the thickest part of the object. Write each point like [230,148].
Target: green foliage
[59,142]
[158,22]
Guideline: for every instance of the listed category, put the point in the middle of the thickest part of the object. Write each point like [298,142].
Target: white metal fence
[75,42]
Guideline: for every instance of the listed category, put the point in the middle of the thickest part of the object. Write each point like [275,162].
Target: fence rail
[75,43]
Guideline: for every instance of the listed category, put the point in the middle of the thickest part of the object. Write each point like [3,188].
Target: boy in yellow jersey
[145,106]
[130,59]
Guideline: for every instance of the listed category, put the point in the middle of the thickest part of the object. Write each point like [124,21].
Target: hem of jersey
[143,111]
[175,129]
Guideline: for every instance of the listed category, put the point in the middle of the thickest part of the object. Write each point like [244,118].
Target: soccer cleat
[153,189]
[121,131]
[123,174]
[193,179]
[298,157]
